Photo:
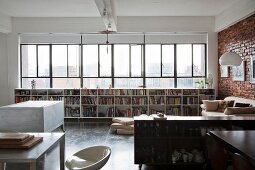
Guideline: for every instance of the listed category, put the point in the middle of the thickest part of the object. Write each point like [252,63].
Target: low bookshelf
[107,103]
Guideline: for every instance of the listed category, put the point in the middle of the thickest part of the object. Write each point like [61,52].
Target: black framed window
[112,65]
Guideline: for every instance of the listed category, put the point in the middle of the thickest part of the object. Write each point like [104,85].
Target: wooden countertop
[241,142]
[199,118]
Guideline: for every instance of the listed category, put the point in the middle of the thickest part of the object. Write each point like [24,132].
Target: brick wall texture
[239,38]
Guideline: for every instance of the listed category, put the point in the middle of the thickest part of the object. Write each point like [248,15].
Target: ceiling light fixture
[230,59]
[106,9]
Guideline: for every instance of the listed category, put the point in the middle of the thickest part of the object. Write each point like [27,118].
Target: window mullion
[37,75]
[98,49]
[161,63]
[130,60]
[50,65]
[112,64]
[192,62]
[175,66]
[67,58]
[21,66]
[143,63]
[81,63]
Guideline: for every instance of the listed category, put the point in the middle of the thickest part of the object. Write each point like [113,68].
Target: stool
[91,158]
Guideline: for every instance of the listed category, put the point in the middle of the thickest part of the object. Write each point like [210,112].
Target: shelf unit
[105,103]
[156,141]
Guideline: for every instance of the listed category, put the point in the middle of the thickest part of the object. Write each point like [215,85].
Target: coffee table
[34,154]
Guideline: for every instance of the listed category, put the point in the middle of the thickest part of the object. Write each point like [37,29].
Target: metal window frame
[143,62]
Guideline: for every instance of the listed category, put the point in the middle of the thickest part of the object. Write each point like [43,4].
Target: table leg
[62,153]
[63,127]
[2,165]
[33,165]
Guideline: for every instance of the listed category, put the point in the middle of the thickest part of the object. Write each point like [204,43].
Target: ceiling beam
[107,11]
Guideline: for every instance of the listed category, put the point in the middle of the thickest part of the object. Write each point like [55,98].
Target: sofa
[231,110]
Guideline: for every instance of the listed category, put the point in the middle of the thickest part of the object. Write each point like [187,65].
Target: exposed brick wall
[241,39]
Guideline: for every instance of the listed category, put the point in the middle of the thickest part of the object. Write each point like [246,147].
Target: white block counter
[32,116]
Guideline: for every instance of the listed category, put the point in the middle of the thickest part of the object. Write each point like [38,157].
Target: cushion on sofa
[210,105]
[223,104]
[242,104]
[239,110]
[241,100]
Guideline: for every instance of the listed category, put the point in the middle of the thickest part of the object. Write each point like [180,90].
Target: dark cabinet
[179,140]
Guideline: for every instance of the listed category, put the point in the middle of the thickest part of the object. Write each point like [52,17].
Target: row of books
[89,111]
[157,100]
[88,92]
[157,92]
[189,111]
[105,91]
[72,100]
[123,92]
[72,112]
[174,111]
[36,98]
[89,100]
[19,99]
[56,92]
[190,91]
[137,111]
[173,100]
[173,92]
[106,101]
[56,98]
[123,100]
[190,100]
[72,92]
[22,92]
[139,101]
[139,92]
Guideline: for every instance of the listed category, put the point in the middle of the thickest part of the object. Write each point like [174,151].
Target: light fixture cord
[107,42]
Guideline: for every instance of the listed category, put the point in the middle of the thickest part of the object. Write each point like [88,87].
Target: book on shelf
[89,111]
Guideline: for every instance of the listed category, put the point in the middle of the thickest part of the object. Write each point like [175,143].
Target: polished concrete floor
[82,135]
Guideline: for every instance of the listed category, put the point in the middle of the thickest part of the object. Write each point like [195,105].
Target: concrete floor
[82,135]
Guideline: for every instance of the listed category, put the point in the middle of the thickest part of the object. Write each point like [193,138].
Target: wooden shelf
[169,101]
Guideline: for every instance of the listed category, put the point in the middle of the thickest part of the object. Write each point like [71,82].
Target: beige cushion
[121,126]
[123,120]
[241,100]
[210,105]
[223,104]
[239,110]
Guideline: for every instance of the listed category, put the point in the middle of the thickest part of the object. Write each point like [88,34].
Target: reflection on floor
[82,135]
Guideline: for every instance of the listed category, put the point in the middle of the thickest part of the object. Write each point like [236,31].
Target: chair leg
[2,165]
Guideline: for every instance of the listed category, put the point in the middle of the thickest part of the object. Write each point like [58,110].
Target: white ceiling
[87,8]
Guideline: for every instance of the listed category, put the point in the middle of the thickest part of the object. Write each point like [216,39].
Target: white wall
[125,24]
[13,65]
[5,23]
[212,59]
[234,14]
[3,70]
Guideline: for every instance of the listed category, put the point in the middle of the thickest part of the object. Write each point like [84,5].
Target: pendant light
[230,59]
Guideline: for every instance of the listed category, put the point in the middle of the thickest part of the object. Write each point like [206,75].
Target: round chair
[91,158]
